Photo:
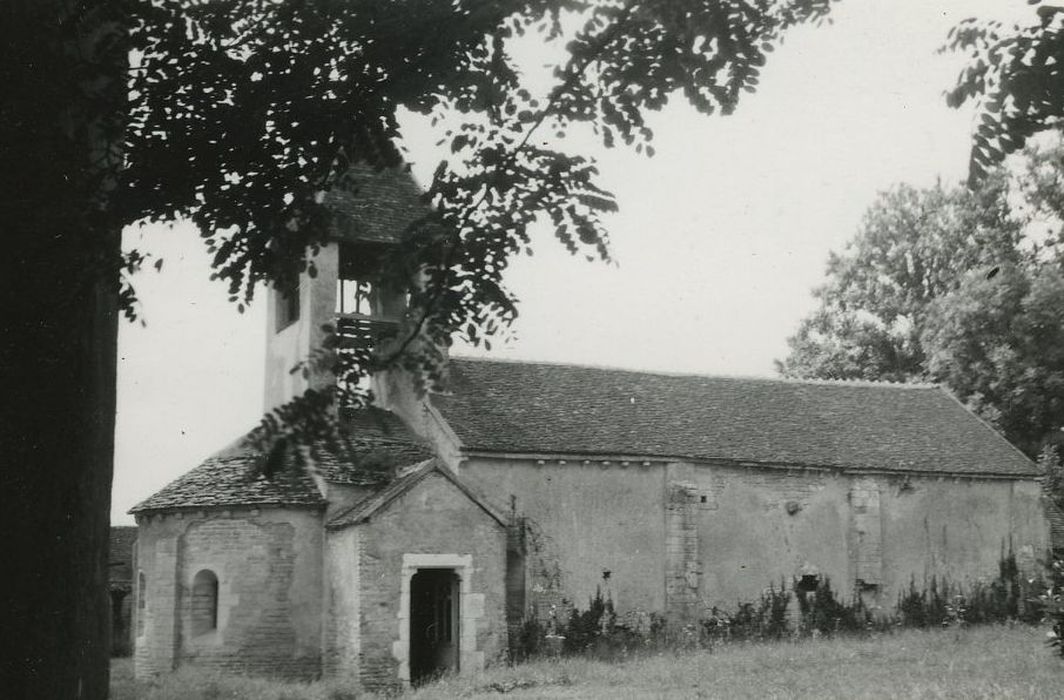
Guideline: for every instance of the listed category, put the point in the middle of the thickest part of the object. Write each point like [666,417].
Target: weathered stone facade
[297,592]
[324,584]
[723,533]
[527,488]
[268,600]
[432,526]
[317,571]
[583,520]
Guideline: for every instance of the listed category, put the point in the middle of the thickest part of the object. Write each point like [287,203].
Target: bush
[596,632]
[526,640]
[586,627]
[1052,604]
[926,607]
[823,613]
[765,619]
[1007,598]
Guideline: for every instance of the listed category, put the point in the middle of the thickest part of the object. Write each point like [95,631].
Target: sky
[719,240]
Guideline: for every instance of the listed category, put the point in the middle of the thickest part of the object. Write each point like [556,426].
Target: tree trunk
[58,339]
[58,427]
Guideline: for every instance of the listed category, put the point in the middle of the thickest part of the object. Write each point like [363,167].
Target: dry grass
[987,662]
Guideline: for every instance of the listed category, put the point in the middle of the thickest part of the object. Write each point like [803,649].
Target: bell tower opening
[349,294]
[367,307]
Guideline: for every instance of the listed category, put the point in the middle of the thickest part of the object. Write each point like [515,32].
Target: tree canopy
[245,113]
[241,115]
[1015,77]
[999,344]
[953,285]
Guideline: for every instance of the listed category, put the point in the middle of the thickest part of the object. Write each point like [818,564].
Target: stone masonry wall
[866,536]
[682,538]
[155,594]
[764,526]
[682,566]
[957,528]
[268,566]
[594,526]
[433,518]
[343,600]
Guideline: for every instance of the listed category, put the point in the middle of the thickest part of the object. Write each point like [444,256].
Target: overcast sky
[720,238]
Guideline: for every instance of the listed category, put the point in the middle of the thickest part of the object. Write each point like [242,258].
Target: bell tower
[347,292]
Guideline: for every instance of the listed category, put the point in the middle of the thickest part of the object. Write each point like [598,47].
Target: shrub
[822,612]
[1007,598]
[596,631]
[765,619]
[928,607]
[1052,604]
[999,600]
[776,602]
[586,627]
[526,640]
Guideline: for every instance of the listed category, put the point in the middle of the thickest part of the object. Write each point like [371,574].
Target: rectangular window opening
[287,308]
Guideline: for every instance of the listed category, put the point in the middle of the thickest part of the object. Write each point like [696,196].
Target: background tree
[241,115]
[1015,76]
[1050,463]
[953,286]
[912,247]
[998,344]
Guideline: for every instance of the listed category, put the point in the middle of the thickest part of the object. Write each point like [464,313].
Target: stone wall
[958,528]
[268,566]
[677,538]
[288,346]
[683,567]
[343,598]
[680,538]
[591,527]
[432,525]
[866,533]
[760,526]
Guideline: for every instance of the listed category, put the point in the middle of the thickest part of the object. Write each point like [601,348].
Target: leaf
[460,141]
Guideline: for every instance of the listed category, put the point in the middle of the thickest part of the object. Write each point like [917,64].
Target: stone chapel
[525,487]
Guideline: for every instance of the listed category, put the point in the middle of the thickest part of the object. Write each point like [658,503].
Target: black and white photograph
[575,349]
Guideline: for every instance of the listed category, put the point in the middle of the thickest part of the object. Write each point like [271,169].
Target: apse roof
[377,445]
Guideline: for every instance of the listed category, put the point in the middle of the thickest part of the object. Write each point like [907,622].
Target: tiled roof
[226,481]
[385,202]
[377,444]
[120,563]
[364,510]
[535,408]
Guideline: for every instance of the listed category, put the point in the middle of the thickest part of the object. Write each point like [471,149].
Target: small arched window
[204,602]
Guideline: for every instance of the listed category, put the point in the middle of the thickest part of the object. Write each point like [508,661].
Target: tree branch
[574,73]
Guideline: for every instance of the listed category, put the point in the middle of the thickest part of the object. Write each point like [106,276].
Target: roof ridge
[871,383]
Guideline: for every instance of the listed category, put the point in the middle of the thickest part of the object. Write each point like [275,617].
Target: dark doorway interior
[433,623]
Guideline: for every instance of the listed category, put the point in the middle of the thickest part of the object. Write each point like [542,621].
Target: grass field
[986,662]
